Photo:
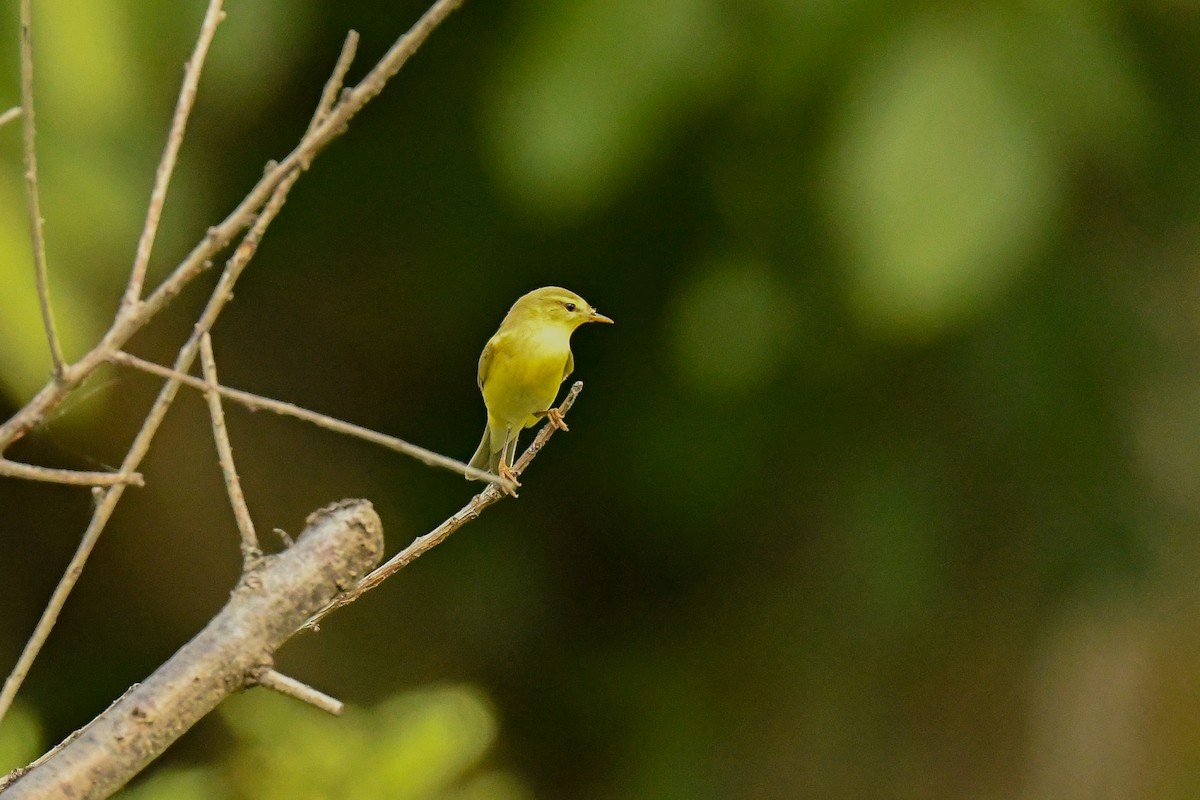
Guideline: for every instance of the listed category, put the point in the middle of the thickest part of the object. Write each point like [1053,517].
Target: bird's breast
[525,374]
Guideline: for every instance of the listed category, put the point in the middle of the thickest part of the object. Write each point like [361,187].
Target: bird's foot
[556,418]
[505,472]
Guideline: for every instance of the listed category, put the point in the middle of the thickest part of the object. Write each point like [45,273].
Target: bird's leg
[508,451]
[555,416]
[504,469]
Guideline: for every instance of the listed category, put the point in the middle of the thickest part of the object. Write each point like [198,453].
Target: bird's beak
[596,316]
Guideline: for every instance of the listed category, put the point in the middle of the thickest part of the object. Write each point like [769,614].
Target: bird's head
[555,305]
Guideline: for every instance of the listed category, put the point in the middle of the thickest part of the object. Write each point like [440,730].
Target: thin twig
[333,122]
[251,552]
[256,402]
[166,166]
[278,682]
[422,544]
[31,189]
[337,78]
[69,477]
[10,115]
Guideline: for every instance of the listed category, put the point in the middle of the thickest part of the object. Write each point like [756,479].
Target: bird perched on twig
[521,368]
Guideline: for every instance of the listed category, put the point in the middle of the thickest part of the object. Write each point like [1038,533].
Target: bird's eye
[570,306]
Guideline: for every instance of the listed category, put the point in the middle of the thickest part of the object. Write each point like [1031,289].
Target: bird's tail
[484,457]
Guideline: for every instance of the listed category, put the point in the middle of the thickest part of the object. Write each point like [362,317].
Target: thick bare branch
[166,166]
[340,543]
[10,115]
[32,193]
[12,777]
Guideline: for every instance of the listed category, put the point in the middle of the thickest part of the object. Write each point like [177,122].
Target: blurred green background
[885,483]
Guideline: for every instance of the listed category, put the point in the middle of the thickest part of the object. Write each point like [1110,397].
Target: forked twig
[36,233]
[422,544]
[333,123]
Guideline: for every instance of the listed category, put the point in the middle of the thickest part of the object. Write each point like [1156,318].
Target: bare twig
[256,402]
[70,477]
[31,189]
[278,682]
[10,115]
[336,79]
[251,552]
[340,543]
[221,295]
[333,123]
[422,544]
[166,166]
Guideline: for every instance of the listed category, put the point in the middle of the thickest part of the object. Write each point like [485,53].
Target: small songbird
[521,368]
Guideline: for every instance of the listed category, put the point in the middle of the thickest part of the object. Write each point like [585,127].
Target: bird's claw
[505,472]
[556,418]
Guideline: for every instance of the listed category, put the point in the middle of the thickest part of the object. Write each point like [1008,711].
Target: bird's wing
[485,361]
[570,365]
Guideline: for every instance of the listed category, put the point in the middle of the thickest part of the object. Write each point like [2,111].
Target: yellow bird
[521,368]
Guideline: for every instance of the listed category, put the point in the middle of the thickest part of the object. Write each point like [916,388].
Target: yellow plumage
[523,365]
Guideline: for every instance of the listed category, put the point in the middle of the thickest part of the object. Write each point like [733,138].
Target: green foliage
[411,747]
[941,184]
[179,784]
[425,745]
[21,739]
[732,294]
[592,91]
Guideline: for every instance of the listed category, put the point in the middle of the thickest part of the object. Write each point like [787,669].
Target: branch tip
[166,165]
[32,193]
[290,687]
